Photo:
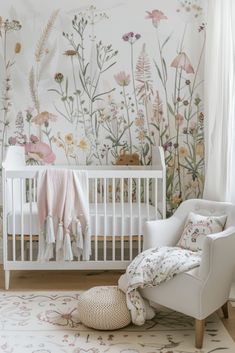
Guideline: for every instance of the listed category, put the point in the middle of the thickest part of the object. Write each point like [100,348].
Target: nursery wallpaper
[102,82]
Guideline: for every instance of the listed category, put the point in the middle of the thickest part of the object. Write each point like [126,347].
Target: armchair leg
[225,310]
[199,333]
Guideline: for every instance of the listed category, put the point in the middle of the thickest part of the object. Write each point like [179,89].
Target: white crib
[121,199]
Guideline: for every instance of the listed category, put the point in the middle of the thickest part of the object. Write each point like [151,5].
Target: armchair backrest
[207,208]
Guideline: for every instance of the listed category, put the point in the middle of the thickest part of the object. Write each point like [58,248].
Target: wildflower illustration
[36,72]
[7,27]
[80,107]
[111,101]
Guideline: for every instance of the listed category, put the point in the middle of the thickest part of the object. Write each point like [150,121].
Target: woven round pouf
[103,308]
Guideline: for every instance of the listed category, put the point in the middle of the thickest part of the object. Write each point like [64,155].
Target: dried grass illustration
[41,44]
[157,109]
[143,76]
[33,90]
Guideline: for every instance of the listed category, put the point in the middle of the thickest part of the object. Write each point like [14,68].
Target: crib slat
[107,189]
[122,213]
[96,220]
[139,214]
[130,207]
[114,218]
[144,189]
[30,221]
[164,194]
[34,190]
[147,197]
[13,221]
[100,191]
[22,217]
[155,197]
[91,197]
[4,224]
[105,217]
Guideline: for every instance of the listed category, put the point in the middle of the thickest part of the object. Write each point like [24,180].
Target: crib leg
[7,279]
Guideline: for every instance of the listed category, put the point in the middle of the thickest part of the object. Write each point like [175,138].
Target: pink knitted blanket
[63,212]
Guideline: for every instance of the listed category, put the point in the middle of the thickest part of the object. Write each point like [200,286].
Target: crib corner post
[7,279]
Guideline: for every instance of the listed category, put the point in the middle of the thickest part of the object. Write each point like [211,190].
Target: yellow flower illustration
[183,152]
[17,48]
[141,136]
[83,144]
[139,122]
[70,52]
[176,199]
[69,139]
[200,149]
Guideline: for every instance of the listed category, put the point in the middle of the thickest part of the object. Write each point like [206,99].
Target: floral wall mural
[91,82]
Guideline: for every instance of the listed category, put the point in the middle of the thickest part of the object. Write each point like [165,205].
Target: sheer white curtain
[220,101]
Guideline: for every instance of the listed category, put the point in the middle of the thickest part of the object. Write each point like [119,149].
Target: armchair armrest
[165,232]
[218,255]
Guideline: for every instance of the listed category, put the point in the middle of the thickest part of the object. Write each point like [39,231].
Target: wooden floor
[77,280]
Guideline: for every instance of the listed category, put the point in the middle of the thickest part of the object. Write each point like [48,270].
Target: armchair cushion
[197,227]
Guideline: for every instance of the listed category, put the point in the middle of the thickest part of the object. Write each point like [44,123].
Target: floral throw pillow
[197,227]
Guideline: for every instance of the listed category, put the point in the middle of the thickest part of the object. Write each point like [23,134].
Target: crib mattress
[119,227]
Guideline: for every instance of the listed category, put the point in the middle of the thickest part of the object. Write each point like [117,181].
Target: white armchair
[201,291]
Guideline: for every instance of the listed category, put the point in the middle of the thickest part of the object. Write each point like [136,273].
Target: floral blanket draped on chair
[149,269]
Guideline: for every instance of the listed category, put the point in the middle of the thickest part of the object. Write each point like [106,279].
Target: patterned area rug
[46,322]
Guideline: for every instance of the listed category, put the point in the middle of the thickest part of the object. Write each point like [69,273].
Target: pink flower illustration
[192,126]
[34,138]
[43,118]
[156,16]
[122,79]
[131,37]
[179,119]
[183,62]
[139,122]
[40,152]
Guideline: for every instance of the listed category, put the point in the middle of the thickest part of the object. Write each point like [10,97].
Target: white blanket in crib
[150,268]
[63,212]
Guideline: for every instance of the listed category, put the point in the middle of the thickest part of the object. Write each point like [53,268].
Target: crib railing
[121,199]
